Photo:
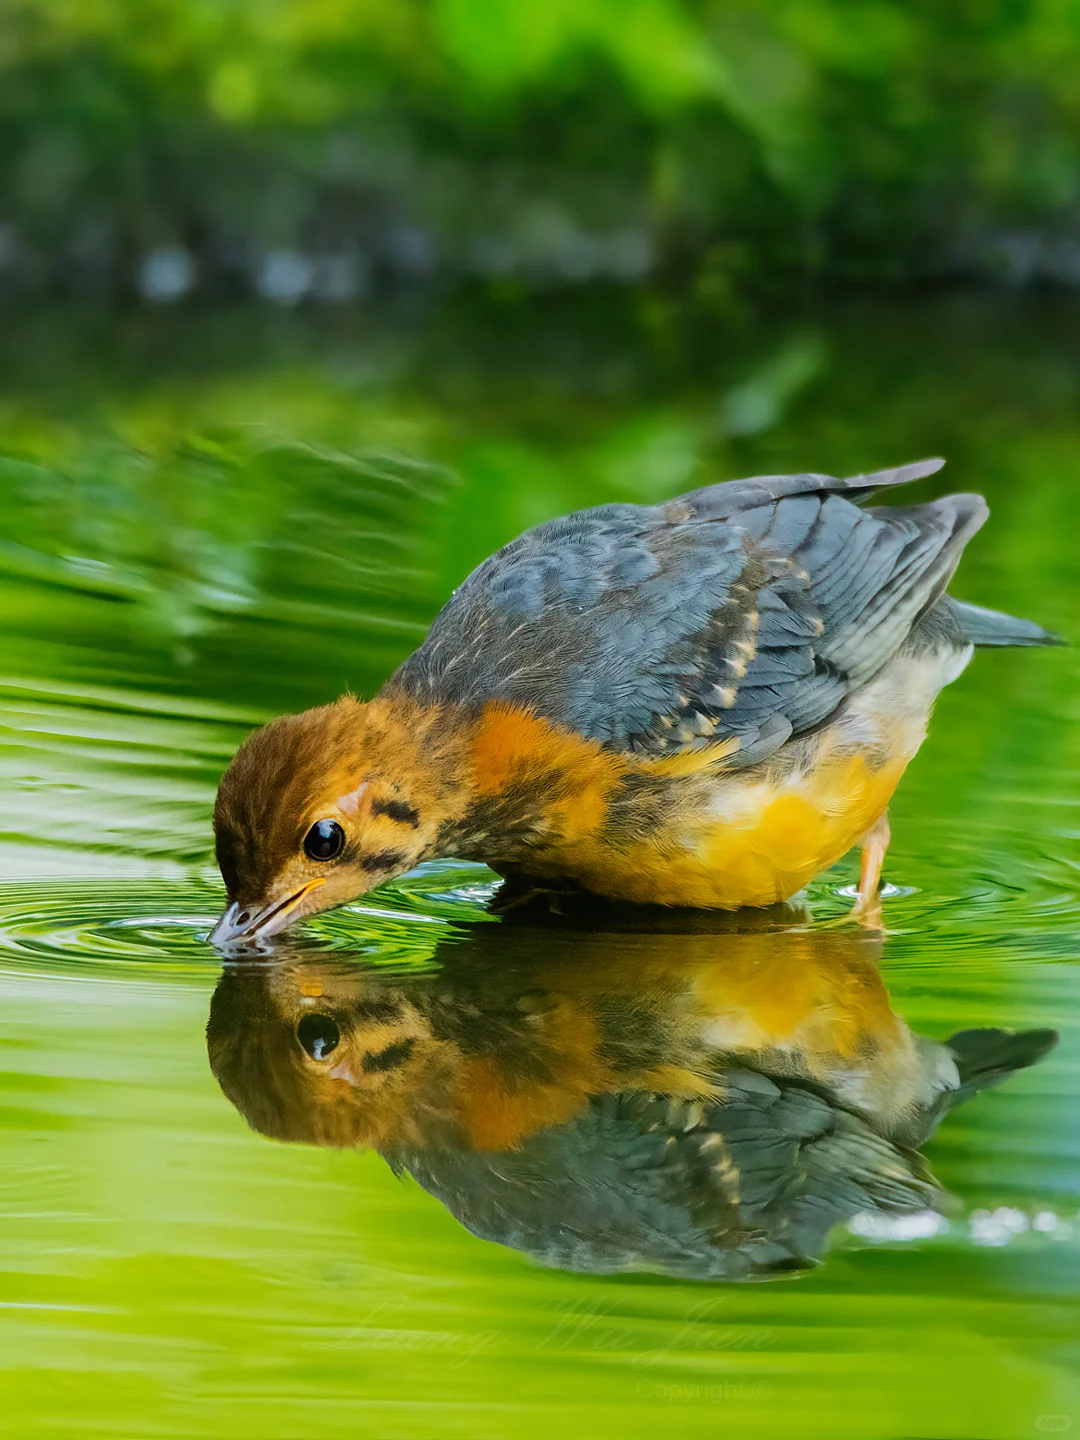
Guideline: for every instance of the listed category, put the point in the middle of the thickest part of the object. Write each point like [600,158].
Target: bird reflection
[698,1102]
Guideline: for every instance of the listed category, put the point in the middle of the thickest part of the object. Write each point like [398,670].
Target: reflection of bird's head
[326,1054]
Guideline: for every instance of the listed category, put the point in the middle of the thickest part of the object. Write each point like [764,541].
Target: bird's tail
[993,627]
[986,1057]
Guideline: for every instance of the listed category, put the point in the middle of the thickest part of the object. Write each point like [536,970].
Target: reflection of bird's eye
[324,840]
[318,1034]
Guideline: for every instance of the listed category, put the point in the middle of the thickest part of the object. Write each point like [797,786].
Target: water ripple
[161,926]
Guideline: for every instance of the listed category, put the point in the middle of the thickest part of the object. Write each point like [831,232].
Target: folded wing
[744,610]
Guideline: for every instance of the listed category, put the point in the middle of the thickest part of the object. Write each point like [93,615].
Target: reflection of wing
[725,1190]
[747,609]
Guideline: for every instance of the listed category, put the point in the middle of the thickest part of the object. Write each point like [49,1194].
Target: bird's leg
[518,892]
[867,908]
[522,899]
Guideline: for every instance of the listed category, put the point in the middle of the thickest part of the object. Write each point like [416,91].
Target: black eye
[324,840]
[318,1034]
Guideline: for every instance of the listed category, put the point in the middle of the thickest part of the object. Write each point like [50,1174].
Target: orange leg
[867,908]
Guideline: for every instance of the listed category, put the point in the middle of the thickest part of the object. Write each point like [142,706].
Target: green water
[206,521]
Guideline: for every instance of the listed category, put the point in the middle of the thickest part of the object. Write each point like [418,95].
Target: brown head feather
[265,794]
[389,773]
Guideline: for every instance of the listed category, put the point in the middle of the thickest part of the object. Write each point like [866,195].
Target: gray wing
[747,1187]
[747,609]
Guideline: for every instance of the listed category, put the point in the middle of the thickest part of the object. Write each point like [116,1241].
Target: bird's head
[315,810]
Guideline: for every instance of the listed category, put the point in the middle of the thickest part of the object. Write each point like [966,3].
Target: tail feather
[729,497]
[895,475]
[986,1057]
[994,628]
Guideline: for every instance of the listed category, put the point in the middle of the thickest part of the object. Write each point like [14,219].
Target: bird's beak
[242,924]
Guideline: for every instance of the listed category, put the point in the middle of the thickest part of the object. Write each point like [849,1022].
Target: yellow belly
[757,841]
[785,835]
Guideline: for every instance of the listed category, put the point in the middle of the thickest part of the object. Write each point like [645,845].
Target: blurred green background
[304,309]
[294,148]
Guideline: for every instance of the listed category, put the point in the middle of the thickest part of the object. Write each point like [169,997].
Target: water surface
[210,520]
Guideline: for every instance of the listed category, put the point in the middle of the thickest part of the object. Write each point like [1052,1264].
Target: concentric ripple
[70,925]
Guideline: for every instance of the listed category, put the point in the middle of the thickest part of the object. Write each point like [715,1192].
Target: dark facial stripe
[389,1058]
[399,810]
[383,860]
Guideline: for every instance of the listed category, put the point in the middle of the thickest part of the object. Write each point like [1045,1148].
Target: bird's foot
[511,897]
[867,912]
[867,908]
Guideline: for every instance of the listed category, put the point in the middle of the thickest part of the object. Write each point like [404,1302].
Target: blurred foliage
[309,147]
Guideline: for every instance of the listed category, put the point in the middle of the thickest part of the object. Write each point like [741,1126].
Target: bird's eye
[318,1034]
[324,841]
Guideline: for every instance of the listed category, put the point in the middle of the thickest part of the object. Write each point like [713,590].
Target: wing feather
[745,610]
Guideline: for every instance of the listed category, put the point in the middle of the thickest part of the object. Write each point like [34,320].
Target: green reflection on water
[200,528]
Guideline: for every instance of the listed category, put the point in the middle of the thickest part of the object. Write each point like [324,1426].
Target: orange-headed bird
[702,703]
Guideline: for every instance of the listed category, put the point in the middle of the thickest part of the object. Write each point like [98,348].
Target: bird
[700,1104]
[703,703]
